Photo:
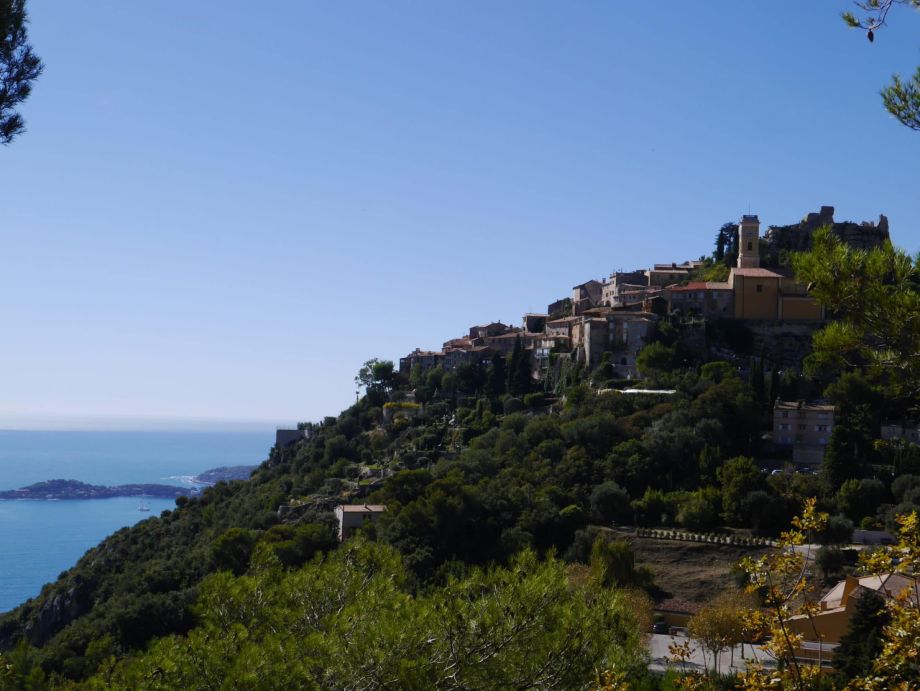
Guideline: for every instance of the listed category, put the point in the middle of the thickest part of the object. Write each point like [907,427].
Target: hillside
[485,492]
[470,484]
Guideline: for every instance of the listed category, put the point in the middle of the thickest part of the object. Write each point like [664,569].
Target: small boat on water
[143,507]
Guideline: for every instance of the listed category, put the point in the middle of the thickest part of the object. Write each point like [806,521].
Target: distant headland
[50,490]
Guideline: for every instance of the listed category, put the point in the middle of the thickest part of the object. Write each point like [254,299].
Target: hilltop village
[618,315]
[742,304]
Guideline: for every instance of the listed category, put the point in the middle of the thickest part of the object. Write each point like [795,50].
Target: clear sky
[221,209]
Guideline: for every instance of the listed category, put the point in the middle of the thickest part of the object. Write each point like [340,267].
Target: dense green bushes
[350,622]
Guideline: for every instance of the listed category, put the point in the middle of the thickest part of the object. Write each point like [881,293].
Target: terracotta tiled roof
[760,272]
[422,353]
[701,285]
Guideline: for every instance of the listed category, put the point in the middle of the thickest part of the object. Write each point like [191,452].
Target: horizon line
[21,421]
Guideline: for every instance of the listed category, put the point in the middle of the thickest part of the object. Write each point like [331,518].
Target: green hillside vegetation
[351,621]
[493,501]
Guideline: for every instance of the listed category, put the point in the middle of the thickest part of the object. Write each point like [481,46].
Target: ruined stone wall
[797,237]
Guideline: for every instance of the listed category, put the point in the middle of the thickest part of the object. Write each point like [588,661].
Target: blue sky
[221,209]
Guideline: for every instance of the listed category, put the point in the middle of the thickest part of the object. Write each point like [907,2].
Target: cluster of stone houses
[586,336]
[618,315]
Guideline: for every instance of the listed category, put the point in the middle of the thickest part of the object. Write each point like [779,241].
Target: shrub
[513,405]
[533,400]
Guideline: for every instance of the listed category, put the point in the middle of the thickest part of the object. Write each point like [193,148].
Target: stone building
[908,431]
[706,299]
[424,358]
[806,427]
[667,276]
[561,327]
[762,293]
[535,323]
[620,282]
[491,329]
[585,296]
[289,437]
[622,334]
[353,516]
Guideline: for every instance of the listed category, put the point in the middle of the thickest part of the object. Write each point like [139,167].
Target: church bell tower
[749,242]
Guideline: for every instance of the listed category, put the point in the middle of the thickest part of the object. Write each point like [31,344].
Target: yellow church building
[761,293]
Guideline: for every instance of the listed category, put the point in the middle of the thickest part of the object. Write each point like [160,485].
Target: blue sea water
[39,539]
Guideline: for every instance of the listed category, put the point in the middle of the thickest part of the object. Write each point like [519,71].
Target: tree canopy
[902,96]
[19,67]
[350,622]
[875,297]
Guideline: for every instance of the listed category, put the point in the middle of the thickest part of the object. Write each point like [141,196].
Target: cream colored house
[822,633]
[354,516]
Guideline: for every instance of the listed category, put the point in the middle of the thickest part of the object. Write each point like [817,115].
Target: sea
[40,539]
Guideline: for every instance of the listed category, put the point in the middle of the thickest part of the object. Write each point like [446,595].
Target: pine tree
[19,67]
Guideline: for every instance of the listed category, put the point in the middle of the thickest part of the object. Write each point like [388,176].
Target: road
[660,657]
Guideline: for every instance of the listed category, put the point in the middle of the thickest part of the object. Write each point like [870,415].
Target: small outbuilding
[353,516]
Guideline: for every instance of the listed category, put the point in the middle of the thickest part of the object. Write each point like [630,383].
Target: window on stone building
[759,288]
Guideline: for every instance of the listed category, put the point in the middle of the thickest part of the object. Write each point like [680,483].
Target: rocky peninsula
[74,489]
[225,474]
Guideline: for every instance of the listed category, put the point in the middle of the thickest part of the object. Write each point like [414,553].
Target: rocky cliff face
[797,237]
[51,615]
[55,613]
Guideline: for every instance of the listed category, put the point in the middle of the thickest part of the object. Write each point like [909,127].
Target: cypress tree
[519,370]
[497,375]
